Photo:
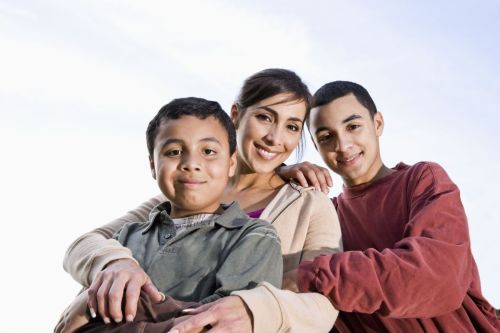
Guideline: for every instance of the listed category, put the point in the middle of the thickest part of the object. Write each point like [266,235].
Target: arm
[255,257]
[274,310]
[425,274]
[91,252]
[103,263]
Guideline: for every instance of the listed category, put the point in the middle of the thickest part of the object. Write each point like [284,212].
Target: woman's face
[268,132]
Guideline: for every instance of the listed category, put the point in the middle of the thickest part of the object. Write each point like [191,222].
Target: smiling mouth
[191,182]
[265,154]
[349,160]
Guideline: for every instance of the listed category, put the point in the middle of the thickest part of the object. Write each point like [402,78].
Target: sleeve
[91,252]
[323,232]
[425,274]
[275,310]
[282,311]
[254,258]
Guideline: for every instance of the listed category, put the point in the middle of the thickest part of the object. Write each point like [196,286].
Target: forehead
[284,104]
[190,129]
[336,112]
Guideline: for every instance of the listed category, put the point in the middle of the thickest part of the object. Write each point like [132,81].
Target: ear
[235,115]
[152,166]
[378,120]
[232,165]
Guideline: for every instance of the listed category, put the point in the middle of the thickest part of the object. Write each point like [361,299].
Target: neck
[382,172]
[245,178]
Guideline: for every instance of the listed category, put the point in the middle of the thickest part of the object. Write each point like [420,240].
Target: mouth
[264,153]
[349,160]
[191,182]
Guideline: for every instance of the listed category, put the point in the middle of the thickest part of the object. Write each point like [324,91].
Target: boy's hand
[307,174]
[123,276]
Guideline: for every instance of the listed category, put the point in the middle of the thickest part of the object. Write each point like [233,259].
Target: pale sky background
[79,80]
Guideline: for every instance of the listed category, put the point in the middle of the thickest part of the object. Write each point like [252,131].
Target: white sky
[79,81]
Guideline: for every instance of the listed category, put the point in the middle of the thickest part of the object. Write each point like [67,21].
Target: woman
[269,117]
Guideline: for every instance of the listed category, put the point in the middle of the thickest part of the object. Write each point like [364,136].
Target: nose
[344,143]
[274,136]
[190,163]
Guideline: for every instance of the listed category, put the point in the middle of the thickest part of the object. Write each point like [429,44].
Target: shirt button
[167,236]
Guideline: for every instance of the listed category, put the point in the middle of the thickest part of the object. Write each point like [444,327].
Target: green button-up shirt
[207,261]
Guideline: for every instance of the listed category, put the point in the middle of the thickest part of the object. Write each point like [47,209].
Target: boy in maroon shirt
[407,265]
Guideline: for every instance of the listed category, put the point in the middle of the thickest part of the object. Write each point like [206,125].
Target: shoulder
[426,178]
[253,224]
[308,202]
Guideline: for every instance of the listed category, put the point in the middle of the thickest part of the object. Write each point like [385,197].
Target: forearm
[275,310]
[91,252]
[429,280]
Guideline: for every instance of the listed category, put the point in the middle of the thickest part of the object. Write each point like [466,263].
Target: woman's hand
[123,276]
[307,174]
[228,314]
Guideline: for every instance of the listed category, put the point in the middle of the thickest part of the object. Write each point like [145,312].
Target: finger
[115,297]
[301,179]
[312,177]
[328,177]
[201,308]
[196,322]
[132,298]
[320,175]
[92,295]
[154,294]
[102,295]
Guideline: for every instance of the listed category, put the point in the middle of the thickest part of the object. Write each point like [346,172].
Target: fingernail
[92,312]
[187,310]
[174,331]
[130,318]
[163,297]
[118,320]
[106,320]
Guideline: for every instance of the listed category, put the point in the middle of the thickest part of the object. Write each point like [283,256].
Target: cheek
[292,141]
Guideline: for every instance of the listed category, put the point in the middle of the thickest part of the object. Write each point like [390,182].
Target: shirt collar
[232,217]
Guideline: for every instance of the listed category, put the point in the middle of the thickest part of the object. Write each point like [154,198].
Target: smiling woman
[268,115]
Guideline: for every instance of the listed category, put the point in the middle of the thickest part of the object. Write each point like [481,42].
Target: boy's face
[192,163]
[347,139]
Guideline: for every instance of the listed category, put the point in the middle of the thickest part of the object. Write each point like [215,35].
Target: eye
[264,117]
[352,127]
[293,127]
[173,152]
[324,137]
[209,151]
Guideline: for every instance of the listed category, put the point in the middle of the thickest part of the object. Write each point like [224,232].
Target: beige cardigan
[307,224]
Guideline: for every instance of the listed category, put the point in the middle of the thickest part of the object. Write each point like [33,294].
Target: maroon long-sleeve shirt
[408,266]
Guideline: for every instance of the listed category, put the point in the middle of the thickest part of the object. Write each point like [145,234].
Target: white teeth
[347,160]
[265,154]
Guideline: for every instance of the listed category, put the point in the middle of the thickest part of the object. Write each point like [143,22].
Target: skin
[267,133]
[191,164]
[191,168]
[347,138]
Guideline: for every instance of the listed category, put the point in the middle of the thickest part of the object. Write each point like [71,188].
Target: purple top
[256,213]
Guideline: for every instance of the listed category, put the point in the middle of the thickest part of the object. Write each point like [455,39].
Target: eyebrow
[346,120]
[178,141]
[267,108]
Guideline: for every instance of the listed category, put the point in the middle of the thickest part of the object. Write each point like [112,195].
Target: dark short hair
[336,89]
[191,106]
[271,82]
